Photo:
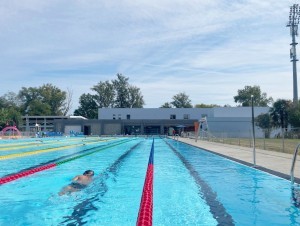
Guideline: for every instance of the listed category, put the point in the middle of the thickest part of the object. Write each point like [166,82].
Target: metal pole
[253,133]
[293,24]
[27,125]
[294,60]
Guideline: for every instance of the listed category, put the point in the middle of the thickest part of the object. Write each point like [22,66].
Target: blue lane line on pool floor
[216,208]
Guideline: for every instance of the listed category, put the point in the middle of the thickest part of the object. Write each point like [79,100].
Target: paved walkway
[277,163]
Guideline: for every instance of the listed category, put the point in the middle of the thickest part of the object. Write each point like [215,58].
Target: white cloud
[209,49]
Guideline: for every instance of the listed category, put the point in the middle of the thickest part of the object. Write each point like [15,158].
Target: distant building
[33,124]
[221,121]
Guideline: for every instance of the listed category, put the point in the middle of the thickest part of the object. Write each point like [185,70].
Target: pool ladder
[295,188]
[293,164]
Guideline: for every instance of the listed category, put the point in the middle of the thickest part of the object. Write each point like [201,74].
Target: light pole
[27,121]
[253,133]
[293,24]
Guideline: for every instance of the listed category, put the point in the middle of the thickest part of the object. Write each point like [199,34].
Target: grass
[272,144]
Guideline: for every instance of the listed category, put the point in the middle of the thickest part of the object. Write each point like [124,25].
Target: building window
[128,116]
[186,116]
[172,116]
[114,116]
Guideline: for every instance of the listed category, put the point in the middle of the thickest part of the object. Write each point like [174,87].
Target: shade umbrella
[181,127]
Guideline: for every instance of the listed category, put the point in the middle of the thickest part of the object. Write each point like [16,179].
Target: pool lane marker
[146,206]
[42,143]
[54,160]
[19,155]
[19,175]
[216,208]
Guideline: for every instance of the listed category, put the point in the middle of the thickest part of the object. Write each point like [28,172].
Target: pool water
[191,186]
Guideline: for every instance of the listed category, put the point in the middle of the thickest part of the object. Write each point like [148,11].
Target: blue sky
[206,48]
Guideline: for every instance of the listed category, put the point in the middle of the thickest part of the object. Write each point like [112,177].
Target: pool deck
[276,163]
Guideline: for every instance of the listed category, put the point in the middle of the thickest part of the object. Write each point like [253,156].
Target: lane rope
[19,155]
[146,205]
[16,176]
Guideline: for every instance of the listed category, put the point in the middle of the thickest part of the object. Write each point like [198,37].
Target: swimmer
[79,182]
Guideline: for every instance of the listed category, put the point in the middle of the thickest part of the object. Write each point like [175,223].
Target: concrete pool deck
[276,163]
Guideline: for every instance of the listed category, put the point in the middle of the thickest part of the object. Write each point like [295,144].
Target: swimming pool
[191,186]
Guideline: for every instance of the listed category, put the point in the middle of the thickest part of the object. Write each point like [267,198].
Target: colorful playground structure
[10,132]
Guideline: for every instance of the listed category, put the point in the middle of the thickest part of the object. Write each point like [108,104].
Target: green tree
[47,96]
[135,98]
[8,115]
[121,88]
[54,97]
[87,107]
[259,99]
[166,105]
[127,96]
[37,107]
[27,95]
[10,110]
[181,100]
[118,93]
[279,113]
[10,99]
[294,116]
[105,94]
[206,105]
[265,123]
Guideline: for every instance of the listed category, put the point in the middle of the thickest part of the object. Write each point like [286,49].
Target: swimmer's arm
[75,178]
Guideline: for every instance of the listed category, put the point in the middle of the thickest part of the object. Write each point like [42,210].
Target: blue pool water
[191,186]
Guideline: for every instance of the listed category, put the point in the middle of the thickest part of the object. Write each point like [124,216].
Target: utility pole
[293,24]
[253,132]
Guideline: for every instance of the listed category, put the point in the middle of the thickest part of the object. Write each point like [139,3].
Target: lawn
[272,144]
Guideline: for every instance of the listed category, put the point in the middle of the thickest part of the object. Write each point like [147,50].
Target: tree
[259,98]
[27,95]
[105,94]
[127,96]
[88,107]
[68,102]
[117,93]
[48,96]
[294,116]
[166,105]
[135,97]
[206,105]
[37,107]
[279,113]
[121,88]
[10,99]
[54,97]
[9,115]
[181,100]
[10,110]
[264,122]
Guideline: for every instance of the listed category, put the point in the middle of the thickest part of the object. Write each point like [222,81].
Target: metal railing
[293,164]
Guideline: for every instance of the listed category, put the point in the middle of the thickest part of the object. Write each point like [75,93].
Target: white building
[221,121]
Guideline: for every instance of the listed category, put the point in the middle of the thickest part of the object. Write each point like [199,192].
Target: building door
[87,130]
[152,130]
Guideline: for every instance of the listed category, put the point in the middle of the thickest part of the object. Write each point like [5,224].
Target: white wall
[75,128]
[232,112]
[164,113]
[153,113]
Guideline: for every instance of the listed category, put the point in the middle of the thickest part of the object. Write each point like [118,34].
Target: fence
[285,143]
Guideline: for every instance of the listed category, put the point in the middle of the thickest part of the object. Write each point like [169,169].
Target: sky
[208,49]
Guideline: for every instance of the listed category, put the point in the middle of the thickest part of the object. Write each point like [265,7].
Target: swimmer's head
[89,173]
